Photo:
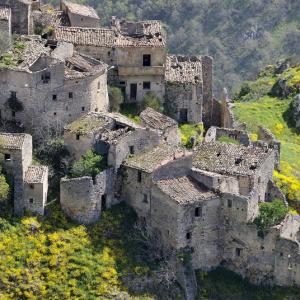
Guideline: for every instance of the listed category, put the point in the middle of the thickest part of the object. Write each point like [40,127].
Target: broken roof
[183,69]
[80,9]
[35,174]
[225,158]
[156,120]
[4,13]
[105,37]
[88,123]
[184,190]
[12,141]
[150,160]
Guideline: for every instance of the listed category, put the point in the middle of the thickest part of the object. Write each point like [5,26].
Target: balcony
[140,71]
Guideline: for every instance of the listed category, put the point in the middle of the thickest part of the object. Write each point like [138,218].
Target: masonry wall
[41,109]
[77,20]
[140,139]
[81,198]
[184,96]
[35,196]
[5,35]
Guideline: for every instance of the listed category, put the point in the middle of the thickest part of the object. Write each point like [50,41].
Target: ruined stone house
[51,85]
[30,182]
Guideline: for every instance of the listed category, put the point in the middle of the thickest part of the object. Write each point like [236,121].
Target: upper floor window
[71,95]
[139,176]
[147,60]
[7,156]
[54,97]
[229,203]
[198,211]
[131,149]
[13,95]
[99,85]
[46,77]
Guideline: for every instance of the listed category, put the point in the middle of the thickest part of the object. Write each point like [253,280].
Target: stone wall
[5,35]
[82,199]
[214,133]
[54,103]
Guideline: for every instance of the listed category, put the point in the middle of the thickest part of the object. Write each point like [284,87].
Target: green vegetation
[90,164]
[13,58]
[270,214]
[241,35]
[191,134]
[227,139]
[131,111]
[52,258]
[116,98]
[85,124]
[151,100]
[274,113]
[222,284]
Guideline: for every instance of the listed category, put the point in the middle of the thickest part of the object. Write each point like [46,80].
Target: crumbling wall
[5,34]
[207,74]
[82,198]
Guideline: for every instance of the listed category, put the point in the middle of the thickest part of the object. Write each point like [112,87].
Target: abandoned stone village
[203,200]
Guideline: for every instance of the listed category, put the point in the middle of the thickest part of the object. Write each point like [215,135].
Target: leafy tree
[116,98]
[151,100]
[270,214]
[89,164]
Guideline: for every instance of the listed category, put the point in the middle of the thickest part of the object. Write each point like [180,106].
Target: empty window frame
[77,136]
[46,77]
[147,60]
[145,198]
[188,235]
[82,108]
[229,203]
[70,95]
[198,212]
[54,97]
[147,85]
[238,252]
[31,200]
[139,176]
[131,149]
[7,156]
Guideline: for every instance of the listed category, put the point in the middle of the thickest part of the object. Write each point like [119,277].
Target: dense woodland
[241,35]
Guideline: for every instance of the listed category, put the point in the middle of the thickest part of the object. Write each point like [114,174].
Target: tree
[90,164]
[151,100]
[116,98]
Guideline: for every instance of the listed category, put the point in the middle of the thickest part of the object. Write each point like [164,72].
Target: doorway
[133,91]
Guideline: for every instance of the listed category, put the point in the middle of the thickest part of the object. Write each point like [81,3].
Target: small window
[238,252]
[122,83]
[229,203]
[198,211]
[31,200]
[139,177]
[146,85]
[145,198]
[71,95]
[13,114]
[147,60]
[96,109]
[54,114]
[82,108]
[31,186]
[108,53]
[7,156]
[103,202]
[46,77]
[77,136]
[131,149]
[99,85]
[54,97]
[13,95]
[188,235]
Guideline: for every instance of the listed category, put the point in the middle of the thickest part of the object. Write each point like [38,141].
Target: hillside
[264,102]
[241,35]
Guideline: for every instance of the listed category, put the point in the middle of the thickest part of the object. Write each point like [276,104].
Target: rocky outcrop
[296,110]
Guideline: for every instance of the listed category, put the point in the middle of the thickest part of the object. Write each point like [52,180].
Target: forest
[242,35]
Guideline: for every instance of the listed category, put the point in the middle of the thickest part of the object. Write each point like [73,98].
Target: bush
[151,100]
[270,214]
[191,134]
[89,164]
[116,98]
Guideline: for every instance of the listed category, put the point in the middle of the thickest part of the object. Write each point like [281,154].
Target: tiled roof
[184,190]
[104,37]
[225,158]
[4,13]
[183,69]
[150,160]
[35,174]
[153,119]
[80,9]
[12,141]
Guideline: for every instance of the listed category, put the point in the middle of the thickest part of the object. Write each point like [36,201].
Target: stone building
[30,183]
[21,14]
[109,134]
[5,29]
[136,50]
[164,125]
[80,15]
[52,87]
[189,89]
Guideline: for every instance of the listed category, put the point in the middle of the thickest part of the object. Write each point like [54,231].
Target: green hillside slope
[263,102]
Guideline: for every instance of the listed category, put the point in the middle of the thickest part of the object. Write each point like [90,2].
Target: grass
[222,284]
